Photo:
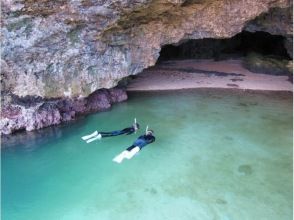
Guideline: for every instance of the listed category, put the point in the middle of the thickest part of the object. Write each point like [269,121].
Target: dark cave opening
[240,45]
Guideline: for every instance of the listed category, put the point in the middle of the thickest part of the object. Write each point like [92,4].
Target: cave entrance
[221,63]
[241,45]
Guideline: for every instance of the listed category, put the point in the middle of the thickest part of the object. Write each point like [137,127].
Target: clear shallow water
[217,156]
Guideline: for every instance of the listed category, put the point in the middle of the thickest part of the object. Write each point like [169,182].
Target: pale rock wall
[72,48]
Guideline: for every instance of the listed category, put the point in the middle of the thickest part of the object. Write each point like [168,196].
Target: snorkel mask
[148,132]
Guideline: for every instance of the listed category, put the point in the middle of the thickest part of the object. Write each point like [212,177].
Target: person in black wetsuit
[141,142]
[127,131]
[98,135]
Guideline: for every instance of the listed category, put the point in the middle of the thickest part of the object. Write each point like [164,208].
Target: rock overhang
[56,49]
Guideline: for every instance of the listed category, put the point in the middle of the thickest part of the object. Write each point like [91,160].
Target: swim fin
[90,135]
[99,136]
[119,158]
[132,152]
[126,154]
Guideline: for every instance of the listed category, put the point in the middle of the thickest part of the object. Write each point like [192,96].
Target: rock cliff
[67,50]
[33,113]
[72,48]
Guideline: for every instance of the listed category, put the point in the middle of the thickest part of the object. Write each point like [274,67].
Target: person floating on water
[98,135]
[141,142]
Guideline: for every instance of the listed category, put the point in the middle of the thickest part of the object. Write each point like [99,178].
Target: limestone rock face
[54,48]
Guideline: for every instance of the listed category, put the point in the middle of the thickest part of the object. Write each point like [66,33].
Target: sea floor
[218,154]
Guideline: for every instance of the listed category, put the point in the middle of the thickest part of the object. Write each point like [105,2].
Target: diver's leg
[110,134]
[103,134]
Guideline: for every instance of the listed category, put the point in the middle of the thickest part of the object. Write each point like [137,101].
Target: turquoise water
[217,155]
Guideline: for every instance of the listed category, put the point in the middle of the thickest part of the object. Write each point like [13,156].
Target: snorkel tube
[148,132]
[135,125]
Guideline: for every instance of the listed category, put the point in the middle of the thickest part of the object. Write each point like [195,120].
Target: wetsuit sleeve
[153,139]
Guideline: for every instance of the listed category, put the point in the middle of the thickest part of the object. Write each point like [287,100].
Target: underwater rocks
[56,49]
[35,113]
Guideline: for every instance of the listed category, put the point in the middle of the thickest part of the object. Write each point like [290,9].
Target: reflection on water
[28,141]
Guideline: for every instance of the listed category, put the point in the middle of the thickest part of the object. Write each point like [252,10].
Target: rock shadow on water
[221,201]
[151,190]
[245,169]
[243,104]
[229,138]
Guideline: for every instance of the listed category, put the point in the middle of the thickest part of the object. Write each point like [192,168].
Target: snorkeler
[141,142]
[98,135]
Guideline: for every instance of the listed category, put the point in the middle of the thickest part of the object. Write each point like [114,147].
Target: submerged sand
[188,74]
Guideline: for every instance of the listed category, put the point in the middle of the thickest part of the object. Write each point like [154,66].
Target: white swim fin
[126,154]
[119,158]
[99,136]
[132,152]
[90,135]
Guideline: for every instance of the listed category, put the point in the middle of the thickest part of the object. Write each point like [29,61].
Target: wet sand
[188,74]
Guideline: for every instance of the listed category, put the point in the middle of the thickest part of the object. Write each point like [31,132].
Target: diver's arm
[153,139]
[130,131]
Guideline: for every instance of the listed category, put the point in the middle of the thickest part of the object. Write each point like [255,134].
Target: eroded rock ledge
[33,113]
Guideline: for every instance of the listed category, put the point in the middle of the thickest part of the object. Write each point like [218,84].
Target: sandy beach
[188,74]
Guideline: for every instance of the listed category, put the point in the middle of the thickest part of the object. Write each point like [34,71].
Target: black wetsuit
[126,131]
[142,141]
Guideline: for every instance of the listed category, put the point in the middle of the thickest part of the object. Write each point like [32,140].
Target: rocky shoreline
[32,113]
[35,113]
